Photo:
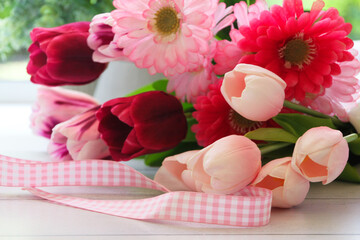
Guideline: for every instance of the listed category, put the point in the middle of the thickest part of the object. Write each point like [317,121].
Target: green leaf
[156,159]
[159,85]
[298,124]
[350,174]
[354,147]
[285,151]
[271,134]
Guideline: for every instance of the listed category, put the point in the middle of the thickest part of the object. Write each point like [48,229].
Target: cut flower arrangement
[252,95]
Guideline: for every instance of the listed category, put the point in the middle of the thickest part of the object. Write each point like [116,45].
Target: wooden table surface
[329,212]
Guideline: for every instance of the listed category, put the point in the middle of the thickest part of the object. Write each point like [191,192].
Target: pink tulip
[254,92]
[320,154]
[56,105]
[170,173]
[224,167]
[288,187]
[103,41]
[78,139]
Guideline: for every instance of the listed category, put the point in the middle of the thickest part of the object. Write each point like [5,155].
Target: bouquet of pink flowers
[252,95]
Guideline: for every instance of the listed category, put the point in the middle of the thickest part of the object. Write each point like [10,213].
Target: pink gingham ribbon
[248,208]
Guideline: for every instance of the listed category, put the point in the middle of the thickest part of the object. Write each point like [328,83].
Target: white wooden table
[329,212]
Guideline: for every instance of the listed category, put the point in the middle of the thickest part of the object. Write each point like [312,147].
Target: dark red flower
[146,123]
[216,119]
[61,56]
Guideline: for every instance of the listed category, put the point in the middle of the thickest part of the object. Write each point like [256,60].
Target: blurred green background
[18,17]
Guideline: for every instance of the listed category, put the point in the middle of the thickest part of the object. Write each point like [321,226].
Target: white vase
[121,78]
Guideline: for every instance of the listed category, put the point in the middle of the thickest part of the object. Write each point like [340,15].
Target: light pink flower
[163,35]
[245,14]
[195,82]
[224,167]
[288,187]
[342,94]
[254,92]
[320,154]
[228,53]
[102,39]
[223,17]
[56,105]
[78,139]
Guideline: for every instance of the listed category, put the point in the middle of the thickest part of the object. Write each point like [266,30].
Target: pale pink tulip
[320,154]
[254,92]
[288,187]
[170,173]
[56,105]
[354,117]
[78,139]
[224,167]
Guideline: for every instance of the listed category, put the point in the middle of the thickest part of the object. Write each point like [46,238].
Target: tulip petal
[270,182]
[70,59]
[177,164]
[295,187]
[313,170]
[169,181]
[155,115]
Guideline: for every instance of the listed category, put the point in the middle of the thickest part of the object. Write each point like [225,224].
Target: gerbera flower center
[240,124]
[167,21]
[297,52]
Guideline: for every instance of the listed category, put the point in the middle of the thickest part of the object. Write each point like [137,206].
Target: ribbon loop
[248,208]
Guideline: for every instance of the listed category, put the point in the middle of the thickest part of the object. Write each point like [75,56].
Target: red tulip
[61,56]
[146,123]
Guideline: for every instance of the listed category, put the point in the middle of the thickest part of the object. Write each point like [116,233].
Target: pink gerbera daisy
[228,53]
[303,48]
[342,94]
[195,81]
[164,35]
[189,85]
[216,119]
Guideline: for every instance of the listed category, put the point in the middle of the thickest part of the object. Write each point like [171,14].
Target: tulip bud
[254,92]
[288,187]
[78,139]
[145,123]
[56,105]
[320,154]
[60,56]
[224,167]
[171,173]
[102,39]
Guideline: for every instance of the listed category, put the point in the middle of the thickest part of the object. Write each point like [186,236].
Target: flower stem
[248,2]
[311,112]
[273,147]
[351,137]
